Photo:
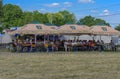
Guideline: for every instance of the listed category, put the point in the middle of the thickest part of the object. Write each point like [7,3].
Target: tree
[68,17]
[90,21]
[50,17]
[0,15]
[27,17]
[12,15]
[0,9]
[87,20]
[38,16]
[101,22]
[1,29]
[60,18]
[118,27]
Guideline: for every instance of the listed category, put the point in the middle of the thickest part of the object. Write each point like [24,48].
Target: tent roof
[104,30]
[65,29]
[35,29]
[74,28]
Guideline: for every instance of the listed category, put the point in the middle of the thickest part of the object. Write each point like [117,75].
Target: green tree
[0,9]
[58,19]
[68,17]
[12,14]
[101,22]
[118,27]
[90,21]
[1,29]
[27,17]
[50,17]
[55,18]
[87,20]
[0,15]
[42,18]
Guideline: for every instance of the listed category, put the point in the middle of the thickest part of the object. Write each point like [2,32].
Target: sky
[108,10]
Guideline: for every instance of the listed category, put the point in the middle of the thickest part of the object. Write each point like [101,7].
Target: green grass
[77,65]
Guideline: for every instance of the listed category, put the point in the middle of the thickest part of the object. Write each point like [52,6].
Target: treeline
[12,15]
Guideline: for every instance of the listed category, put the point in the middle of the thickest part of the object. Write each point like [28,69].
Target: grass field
[75,65]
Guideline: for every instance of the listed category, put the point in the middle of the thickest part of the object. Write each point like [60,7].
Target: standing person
[19,44]
[112,44]
[102,45]
[66,45]
[46,44]
[98,45]
[14,46]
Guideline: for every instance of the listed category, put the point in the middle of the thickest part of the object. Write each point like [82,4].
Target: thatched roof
[71,29]
[104,30]
[35,29]
[74,29]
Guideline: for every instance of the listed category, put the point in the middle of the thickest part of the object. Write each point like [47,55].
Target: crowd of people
[29,45]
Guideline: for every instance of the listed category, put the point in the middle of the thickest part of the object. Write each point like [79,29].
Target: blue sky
[108,10]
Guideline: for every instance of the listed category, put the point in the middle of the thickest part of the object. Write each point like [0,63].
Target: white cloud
[67,4]
[105,12]
[52,5]
[86,1]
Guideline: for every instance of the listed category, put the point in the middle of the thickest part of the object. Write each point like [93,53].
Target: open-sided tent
[104,30]
[104,33]
[35,29]
[73,31]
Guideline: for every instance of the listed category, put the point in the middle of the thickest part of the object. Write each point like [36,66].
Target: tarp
[1,38]
[6,39]
[1,35]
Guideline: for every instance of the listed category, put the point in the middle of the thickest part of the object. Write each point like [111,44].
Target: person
[46,44]
[28,45]
[98,45]
[101,45]
[112,44]
[14,46]
[74,45]
[19,44]
[66,45]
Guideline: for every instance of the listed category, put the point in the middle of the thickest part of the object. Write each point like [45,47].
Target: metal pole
[48,37]
[35,38]
[44,39]
[100,37]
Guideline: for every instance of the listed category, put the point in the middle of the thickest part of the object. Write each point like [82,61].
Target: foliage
[68,17]
[12,15]
[0,10]
[101,22]
[90,21]
[27,17]
[118,27]
[60,18]
[1,29]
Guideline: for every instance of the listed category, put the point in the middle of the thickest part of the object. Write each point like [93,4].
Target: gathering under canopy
[68,29]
